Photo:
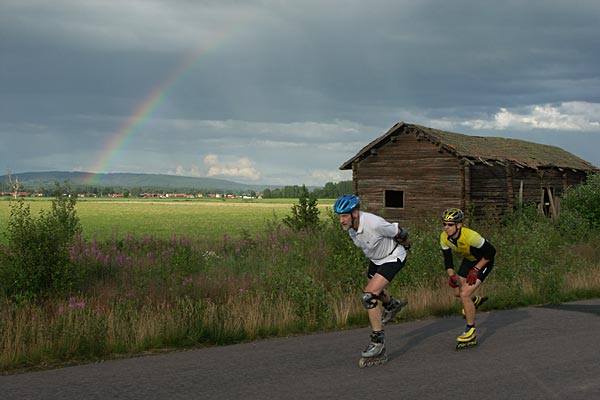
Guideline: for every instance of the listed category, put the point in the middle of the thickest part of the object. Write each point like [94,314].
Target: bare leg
[376,285]
[466,293]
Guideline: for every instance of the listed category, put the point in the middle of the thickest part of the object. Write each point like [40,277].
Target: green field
[197,219]
[137,289]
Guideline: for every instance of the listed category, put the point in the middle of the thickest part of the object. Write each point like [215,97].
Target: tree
[333,190]
[584,200]
[305,214]
[14,184]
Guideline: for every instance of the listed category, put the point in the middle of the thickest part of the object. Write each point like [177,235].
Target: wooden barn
[413,172]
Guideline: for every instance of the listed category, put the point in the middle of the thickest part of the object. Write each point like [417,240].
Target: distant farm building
[13,194]
[413,172]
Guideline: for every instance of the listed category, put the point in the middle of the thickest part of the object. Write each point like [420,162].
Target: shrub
[305,214]
[37,261]
[584,199]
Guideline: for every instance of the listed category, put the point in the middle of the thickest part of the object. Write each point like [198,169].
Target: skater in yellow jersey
[478,260]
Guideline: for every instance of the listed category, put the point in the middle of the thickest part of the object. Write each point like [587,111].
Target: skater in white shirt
[384,243]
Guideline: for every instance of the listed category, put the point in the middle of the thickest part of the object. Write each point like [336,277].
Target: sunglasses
[448,224]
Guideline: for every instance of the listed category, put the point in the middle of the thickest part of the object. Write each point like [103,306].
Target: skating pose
[384,245]
[478,260]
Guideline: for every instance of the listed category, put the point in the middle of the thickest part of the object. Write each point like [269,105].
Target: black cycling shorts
[387,270]
[467,265]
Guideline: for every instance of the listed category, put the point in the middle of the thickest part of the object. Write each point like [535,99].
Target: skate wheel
[365,362]
[372,361]
[465,345]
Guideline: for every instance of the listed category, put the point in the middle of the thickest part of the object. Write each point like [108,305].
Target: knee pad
[369,300]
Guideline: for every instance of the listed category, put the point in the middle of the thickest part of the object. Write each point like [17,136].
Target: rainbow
[136,119]
[151,102]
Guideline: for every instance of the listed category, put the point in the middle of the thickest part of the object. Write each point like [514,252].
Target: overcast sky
[284,92]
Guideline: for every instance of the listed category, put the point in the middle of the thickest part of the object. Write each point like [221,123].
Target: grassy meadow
[201,219]
[151,276]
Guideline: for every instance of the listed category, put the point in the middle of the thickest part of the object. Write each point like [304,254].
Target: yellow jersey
[468,244]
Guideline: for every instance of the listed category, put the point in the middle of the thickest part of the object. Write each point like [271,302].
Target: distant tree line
[329,191]
[333,190]
[103,191]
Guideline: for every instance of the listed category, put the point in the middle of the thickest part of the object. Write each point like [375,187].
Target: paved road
[550,352]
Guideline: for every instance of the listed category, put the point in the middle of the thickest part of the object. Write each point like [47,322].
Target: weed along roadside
[81,298]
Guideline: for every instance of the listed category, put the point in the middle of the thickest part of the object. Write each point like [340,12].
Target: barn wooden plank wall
[433,177]
[431,181]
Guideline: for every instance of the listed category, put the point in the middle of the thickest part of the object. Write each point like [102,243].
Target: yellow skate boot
[466,339]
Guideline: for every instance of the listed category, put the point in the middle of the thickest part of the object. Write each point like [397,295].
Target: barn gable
[413,171]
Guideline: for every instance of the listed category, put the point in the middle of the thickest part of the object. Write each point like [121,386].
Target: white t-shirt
[376,237]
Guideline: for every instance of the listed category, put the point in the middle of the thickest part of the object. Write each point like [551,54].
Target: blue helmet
[345,204]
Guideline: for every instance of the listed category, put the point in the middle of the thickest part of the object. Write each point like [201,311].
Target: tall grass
[139,293]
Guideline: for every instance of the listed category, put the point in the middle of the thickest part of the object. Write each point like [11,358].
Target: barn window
[394,198]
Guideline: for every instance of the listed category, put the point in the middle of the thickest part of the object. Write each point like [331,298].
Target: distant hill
[47,180]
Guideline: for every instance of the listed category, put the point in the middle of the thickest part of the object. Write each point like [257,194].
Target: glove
[403,234]
[453,281]
[402,238]
[472,276]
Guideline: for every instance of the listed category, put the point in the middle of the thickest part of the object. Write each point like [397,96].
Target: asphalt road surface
[548,352]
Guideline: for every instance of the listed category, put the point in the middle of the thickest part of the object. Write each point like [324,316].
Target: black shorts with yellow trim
[466,266]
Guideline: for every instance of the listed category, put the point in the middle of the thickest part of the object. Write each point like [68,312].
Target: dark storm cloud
[275,84]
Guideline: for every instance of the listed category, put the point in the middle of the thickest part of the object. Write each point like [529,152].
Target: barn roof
[482,149]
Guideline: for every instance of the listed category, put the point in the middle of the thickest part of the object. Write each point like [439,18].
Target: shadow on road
[584,308]
[417,336]
[488,324]
[499,320]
